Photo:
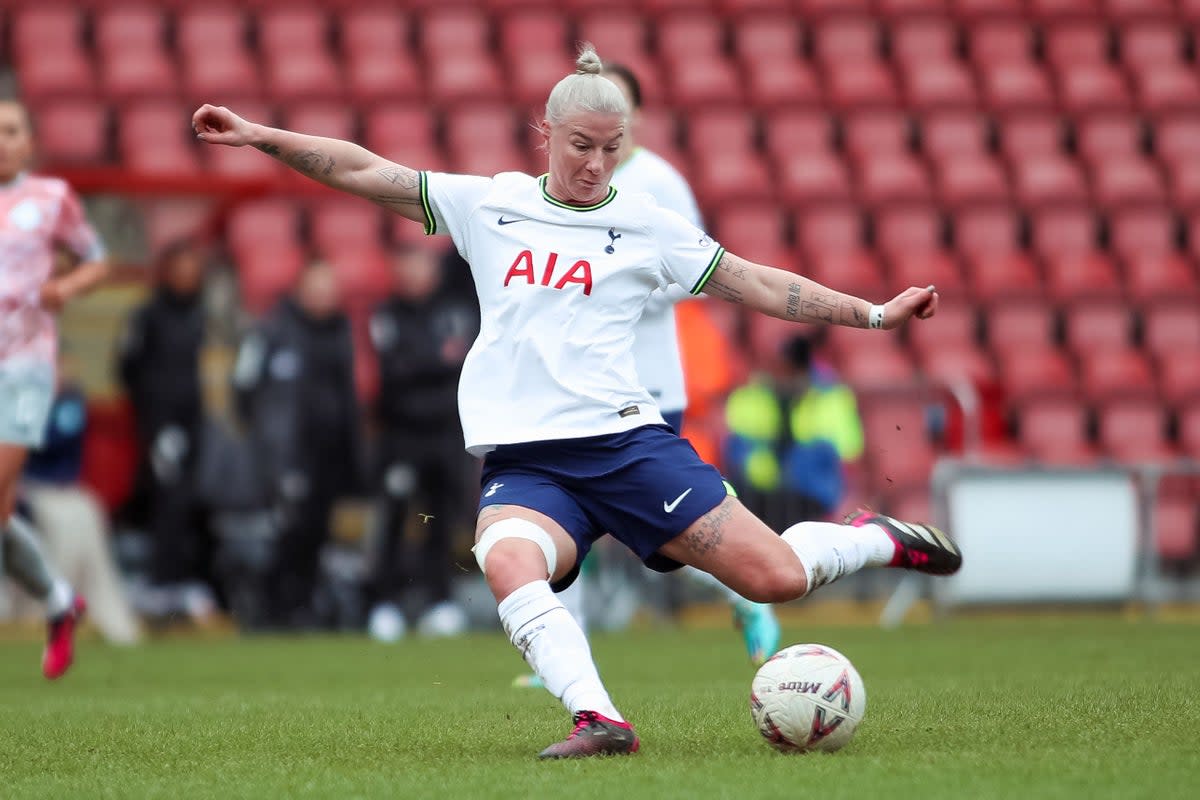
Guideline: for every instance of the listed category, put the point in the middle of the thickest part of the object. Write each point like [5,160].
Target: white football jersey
[561,289]
[656,339]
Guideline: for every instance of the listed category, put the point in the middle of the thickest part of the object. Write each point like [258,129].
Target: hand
[912,302]
[219,125]
[53,296]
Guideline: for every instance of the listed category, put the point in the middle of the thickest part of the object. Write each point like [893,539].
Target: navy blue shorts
[644,487]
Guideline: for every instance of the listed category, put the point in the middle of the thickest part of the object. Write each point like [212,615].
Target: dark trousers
[304,519]
[424,476]
[174,516]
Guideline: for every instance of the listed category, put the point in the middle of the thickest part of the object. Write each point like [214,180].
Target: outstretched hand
[912,302]
[219,125]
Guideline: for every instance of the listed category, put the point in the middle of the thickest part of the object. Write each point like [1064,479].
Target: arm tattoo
[852,315]
[793,299]
[311,162]
[705,536]
[269,149]
[720,282]
[403,177]
[817,311]
[394,200]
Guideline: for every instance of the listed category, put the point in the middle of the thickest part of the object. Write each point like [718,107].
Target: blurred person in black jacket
[294,387]
[421,335]
[159,365]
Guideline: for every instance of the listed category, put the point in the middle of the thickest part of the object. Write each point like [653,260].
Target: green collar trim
[612,193]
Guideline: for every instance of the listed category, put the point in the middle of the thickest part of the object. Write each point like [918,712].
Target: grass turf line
[974,708]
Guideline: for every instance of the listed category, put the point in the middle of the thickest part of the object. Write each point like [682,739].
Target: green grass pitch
[975,708]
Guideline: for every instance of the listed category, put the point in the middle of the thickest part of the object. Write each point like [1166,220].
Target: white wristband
[875,317]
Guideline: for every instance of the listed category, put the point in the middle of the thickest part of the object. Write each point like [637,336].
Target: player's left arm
[78,242]
[788,296]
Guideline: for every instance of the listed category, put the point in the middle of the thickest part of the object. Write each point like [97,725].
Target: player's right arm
[336,163]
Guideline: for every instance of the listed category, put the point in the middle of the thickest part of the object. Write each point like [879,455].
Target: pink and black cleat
[595,735]
[60,643]
[919,547]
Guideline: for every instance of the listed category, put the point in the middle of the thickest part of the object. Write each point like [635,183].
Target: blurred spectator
[791,435]
[421,335]
[71,519]
[159,365]
[294,385]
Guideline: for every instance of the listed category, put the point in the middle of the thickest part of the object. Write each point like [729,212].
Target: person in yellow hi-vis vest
[792,433]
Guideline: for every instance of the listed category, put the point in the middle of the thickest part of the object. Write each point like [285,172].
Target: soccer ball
[807,697]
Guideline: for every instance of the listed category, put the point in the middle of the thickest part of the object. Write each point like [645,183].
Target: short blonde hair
[585,90]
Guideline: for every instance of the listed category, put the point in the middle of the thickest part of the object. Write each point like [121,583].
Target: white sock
[828,550]
[555,647]
[574,599]
[707,579]
[60,599]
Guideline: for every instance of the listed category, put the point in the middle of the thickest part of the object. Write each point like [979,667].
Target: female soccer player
[40,218]
[573,445]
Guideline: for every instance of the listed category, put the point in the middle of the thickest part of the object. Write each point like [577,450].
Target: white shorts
[26,397]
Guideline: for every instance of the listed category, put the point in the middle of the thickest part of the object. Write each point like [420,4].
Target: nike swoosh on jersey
[669,507]
[503,221]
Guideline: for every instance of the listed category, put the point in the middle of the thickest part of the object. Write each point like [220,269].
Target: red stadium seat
[1163,88]
[1030,372]
[134,27]
[532,73]
[1054,430]
[658,130]
[1025,135]
[936,267]
[999,41]
[1139,232]
[954,326]
[684,36]
[854,271]
[396,130]
[767,39]
[1112,373]
[1082,275]
[1171,327]
[745,227]
[1138,10]
[829,228]
[534,29]
[66,74]
[619,35]
[466,77]
[264,274]
[292,27]
[1134,430]
[769,85]
[73,132]
[897,446]
[1159,276]
[1048,179]
[1176,529]
[468,125]
[884,367]
[1189,427]
[242,163]
[334,120]
[901,9]
[798,130]
[971,179]
[811,9]
[955,364]
[450,32]
[1104,136]
[718,129]
[1063,9]
[47,29]
[893,178]
[374,76]
[808,177]
[924,38]
[1065,231]
[1097,325]
[1023,324]
[843,39]
[1077,42]
[939,84]
[372,29]
[860,84]
[909,228]
[731,176]
[872,133]
[1085,88]
[302,75]
[231,75]
[263,224]
[1183,183]
[994,276]
[987,230]
[156,137]
[128,74]
[210,29]
[1016,86]
[363,273]
[1129,180]
[703,81]
[972,10]
[950,134]
[1151,42]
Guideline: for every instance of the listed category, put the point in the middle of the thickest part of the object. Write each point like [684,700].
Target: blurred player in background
[41,222]
[574,446]
[294,385]
[421,335]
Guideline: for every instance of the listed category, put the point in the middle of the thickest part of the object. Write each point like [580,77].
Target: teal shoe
[759,627]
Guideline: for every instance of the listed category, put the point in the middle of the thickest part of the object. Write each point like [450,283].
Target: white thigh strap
[514,528]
